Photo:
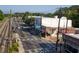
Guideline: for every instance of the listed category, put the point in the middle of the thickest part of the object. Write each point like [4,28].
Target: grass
[14,47]
[3,19]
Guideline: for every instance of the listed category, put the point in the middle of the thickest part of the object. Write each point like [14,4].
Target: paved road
[31,42]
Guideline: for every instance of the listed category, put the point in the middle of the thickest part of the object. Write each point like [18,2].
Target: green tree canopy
[1,15]
[71,13]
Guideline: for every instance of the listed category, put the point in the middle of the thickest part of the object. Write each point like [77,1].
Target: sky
[31,8]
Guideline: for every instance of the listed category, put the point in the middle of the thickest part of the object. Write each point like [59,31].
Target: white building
[50,25]
[53,22]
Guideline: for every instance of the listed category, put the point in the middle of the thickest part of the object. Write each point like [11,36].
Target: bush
[14,47]
[10,50]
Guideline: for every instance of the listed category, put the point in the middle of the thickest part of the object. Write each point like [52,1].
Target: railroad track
[3,41]
[6,36]
[2,25]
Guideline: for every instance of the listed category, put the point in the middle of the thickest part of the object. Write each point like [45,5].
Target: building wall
[53,22]
[71,43]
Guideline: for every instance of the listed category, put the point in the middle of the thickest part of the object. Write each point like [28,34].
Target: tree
[28,20]
[1,15]
[71,13]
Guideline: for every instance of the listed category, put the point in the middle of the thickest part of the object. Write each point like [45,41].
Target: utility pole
[58,36]
[66,26]
[9,31]
[10,22]
[58,31]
